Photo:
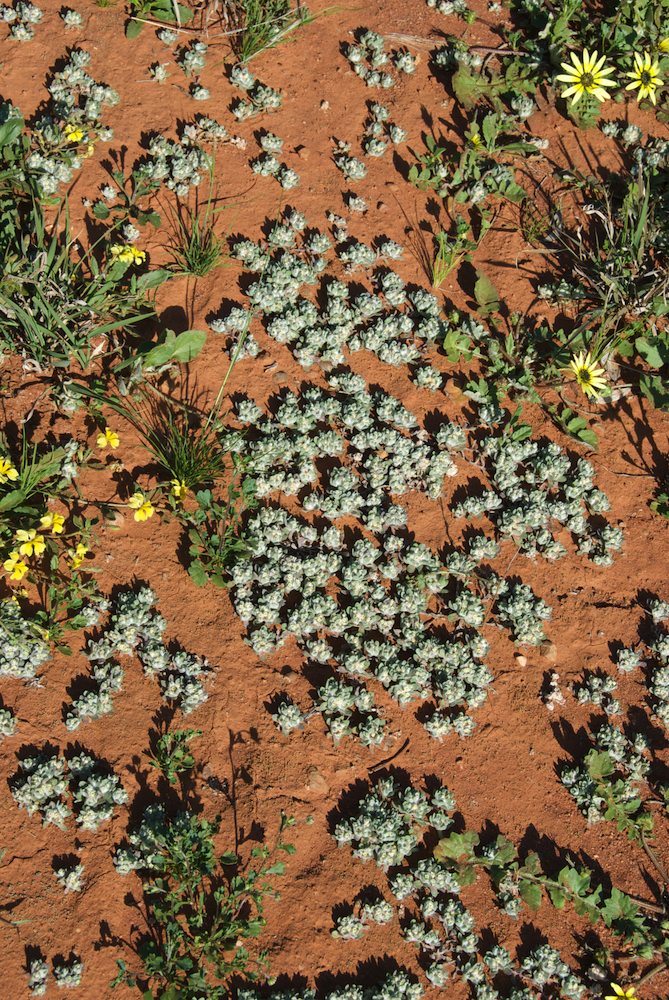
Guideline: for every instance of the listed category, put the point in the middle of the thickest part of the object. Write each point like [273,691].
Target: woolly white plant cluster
[395,825]
[146,846]
[22,650]
[43,782]
[135,628]
[537,489]
[66,973]
[367,602]
[652,654]
[395,322]
[369,59]
[180,164]
[21,18]
[74,109]
[397,985]
[259,97]
[629,758]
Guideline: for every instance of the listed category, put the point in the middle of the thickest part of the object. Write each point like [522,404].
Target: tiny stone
[316,781]
[549,651]
[325,105]
[381,206]
[520,659]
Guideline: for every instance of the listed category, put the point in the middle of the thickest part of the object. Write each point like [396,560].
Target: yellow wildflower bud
[179,489]
[108,438]
[127,253]
[52,522]
[32,544]
[7,471]
[77,555]
[15,566]
[73,133]
[142,506]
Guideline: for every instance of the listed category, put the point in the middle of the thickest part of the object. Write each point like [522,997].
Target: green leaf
[456,846]
[486,295]
[557,896]
[618,906]
[12,499]
[152,279]
[655,352]
[182,349]
[100,210]
[198,573]
[229,858]
[457,345]
[599,764]
[530,893]
[575,426]
[655,389]
[151,217]
[468,87]
[505,851]
[133,28]
[572,879]
[10,131]
[660,504]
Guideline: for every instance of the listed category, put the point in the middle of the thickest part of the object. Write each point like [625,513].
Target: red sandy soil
[505,775]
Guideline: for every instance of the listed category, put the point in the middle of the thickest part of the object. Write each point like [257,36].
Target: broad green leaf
[12,499]
[486,295]
[198,573]
[458,345]
[468,87]
[152,279]
[456,846]
[181,348]
[133,28]
[530,893]
[557,896]
[655,389]
[599,764]
[654,352]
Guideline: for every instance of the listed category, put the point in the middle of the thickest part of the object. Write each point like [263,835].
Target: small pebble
[548,651]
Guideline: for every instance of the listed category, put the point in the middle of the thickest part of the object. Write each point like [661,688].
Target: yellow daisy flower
[77,555]
[645,76]
[108,438]
[127,253]
[621,994]
[7,471]
[179,488]
[588,75]
[142,506]
[15,566]
[73,133]
[587,375]
[52,522]
[32,544]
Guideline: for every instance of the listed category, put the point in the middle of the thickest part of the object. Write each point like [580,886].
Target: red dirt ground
[506,773]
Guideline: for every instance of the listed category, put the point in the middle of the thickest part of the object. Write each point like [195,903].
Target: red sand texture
[506,773]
